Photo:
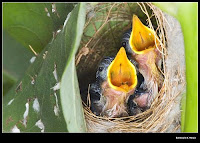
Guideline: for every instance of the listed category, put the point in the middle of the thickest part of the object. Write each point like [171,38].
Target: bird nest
[104,27]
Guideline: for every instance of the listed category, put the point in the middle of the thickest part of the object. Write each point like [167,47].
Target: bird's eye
[100,69]
[124,44]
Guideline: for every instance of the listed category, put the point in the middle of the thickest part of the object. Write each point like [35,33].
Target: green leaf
[16,58]
[70,94]
[58,13]
[13,67]
[40,73]
[14,54]
[28,23]
[186,13]
[188,19]
[8,82]
[71,100]
[34,23]
[38,83]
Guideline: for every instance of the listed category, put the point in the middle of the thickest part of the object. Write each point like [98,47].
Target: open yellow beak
[121,73]
[142,38]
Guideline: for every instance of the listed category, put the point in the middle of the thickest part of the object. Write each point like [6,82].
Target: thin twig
[32,50]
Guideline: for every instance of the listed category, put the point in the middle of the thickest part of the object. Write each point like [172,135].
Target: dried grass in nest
[164,113]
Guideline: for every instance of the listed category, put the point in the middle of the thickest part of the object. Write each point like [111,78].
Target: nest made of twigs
[164,112]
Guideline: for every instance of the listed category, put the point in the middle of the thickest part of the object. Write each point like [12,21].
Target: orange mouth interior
[142,38]
[122,73]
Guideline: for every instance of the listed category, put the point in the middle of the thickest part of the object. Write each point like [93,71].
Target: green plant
[186,14]
[33,104]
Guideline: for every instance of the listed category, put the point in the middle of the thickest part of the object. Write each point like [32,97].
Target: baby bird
[141,44]
[138,101]
[116,80]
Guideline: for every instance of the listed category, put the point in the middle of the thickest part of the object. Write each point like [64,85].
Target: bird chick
[116,80]
[142,45]
[97,100]
[138,101]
